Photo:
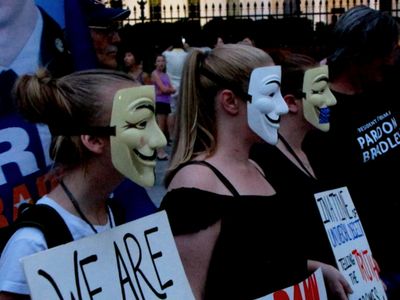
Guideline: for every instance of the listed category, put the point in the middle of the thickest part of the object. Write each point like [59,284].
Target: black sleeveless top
[257,251]
[298,190]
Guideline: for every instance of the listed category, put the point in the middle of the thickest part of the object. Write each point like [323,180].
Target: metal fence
[326,11]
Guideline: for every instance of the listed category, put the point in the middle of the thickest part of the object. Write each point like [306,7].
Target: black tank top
[257,251]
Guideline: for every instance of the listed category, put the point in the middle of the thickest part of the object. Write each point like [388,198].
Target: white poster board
[349,243]
[137,260]
[312,288]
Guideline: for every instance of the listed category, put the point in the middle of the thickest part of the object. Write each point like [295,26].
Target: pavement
[158,191]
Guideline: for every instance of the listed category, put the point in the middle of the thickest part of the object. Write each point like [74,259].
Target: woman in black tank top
[230,226]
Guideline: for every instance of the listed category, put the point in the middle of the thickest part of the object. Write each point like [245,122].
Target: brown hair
[67,104]
[294,66]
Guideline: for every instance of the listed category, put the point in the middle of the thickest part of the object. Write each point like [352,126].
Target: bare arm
[165,89]
[195,251]
[336,283]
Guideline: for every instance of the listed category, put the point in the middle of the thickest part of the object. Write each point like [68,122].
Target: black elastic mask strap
[75,131]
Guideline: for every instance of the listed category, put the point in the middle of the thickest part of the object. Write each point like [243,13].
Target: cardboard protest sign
[137,260]
[312,288]
[349,243]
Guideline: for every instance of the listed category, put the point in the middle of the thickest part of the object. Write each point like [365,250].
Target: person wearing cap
[103,25]
[92,32]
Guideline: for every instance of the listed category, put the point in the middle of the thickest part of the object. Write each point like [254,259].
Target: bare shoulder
[194,176]
[154,74]
[257,166]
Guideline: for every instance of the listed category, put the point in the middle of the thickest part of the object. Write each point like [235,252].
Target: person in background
[103,25]
[133,66]
[247,41]
[91,32]
[103,129]
[219,42]
[219,203]
[24,159]
[175,57]
[360,150]
[164,90]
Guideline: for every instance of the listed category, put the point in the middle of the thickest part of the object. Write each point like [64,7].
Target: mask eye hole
[128,125]
[139,125]
[317,92]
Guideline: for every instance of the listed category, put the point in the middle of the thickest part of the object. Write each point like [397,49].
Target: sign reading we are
[349,244]
[137,260]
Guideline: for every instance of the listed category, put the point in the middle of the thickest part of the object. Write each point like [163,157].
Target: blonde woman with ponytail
[229,223]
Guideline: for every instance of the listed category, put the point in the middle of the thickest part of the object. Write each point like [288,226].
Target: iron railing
[325,11]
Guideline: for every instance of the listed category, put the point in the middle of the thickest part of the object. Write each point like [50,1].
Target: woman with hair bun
[103,129]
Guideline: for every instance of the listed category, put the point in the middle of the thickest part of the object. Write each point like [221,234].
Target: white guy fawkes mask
[137,135]
[267,103]
[318,97]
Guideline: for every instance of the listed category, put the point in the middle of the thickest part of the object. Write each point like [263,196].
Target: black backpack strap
[217,173]
[46,219]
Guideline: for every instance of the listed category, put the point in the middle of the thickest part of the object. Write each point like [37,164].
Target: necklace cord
[78,209]
[290,149]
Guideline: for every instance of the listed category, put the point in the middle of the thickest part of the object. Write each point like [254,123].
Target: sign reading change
[137,260]
[349,243]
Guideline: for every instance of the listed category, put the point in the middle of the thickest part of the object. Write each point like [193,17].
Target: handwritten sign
[137,260]
[313,288]
[349,243]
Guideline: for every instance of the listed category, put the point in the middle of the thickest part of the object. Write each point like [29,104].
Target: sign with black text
[349,243]
[137,260]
